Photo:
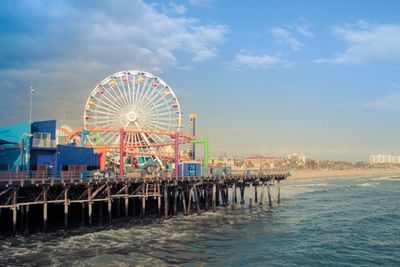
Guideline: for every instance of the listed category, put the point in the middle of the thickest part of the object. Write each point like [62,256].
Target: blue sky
[268,77]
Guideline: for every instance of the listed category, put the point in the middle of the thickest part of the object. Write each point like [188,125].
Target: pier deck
[130,196]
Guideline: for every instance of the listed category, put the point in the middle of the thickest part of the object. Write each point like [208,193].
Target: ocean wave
[386,178]
[311,185]
[368,184]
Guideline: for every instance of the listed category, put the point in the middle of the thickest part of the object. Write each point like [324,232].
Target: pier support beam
[14,210]
[233,195]
[279,191]
[66,189]
[90,204]
[126,201]
[22,217]
[183,195]
[134,207]
[222,193]
[101,213]
[262,194]
[158,202]
[214,197]
[206,197]
[189,205]
[197,199]
[242,186]
[83,214]
[143,200]
[217,194]
[26,232]
[269,194]
[165,201]
[227,195]
[251,195]
[255,193]
[118,208]
[175,201]
[45,189]
[109,204]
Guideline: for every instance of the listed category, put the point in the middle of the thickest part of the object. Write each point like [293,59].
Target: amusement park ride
[134,117]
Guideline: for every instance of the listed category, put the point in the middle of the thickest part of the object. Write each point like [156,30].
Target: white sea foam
[368,184]
[311,185]
[386,178]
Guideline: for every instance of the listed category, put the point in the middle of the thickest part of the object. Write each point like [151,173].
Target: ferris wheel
[132,100]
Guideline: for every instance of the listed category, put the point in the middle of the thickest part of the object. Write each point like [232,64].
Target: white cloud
[201,3]
[67,47]
[391,101]
[365,43]
[304,30]
[255,62]
[178,8]
[303,27]
[284,35]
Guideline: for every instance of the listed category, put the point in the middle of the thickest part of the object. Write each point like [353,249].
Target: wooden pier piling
[197,199]
[109,203]
[242,193]
[214,197]
[26,230]
[126,189]
[45,190]
[66,203]
[269,194]
[255,193]
[251,195]
[175,196]
[279,191]
[165,202]
[143,200]
[14,210]
[233,195]
[262,194]
[90,204]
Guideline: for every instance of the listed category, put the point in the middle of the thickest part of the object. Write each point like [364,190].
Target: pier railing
[35,177]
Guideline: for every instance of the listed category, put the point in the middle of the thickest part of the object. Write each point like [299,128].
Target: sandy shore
[309,174]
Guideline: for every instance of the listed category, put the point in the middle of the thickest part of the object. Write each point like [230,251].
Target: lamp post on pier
[31,91]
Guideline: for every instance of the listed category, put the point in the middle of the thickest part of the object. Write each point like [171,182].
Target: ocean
[320,222]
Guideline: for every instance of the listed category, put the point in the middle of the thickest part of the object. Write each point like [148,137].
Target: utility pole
[31,91]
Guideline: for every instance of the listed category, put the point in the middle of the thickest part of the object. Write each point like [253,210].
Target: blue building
[32,149]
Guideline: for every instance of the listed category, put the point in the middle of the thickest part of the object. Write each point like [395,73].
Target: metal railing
[83,175]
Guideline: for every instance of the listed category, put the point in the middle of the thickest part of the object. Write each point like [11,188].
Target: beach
[320,173]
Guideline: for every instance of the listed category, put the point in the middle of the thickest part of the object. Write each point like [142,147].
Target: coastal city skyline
[321,80]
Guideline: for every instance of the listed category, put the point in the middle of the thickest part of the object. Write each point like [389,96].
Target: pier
[50,202]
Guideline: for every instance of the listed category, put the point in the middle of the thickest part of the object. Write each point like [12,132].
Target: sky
[264,77]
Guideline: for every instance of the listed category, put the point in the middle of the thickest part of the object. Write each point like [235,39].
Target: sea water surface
[320,222]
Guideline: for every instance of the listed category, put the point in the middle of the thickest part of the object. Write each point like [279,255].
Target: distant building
[260,161]
[296,159]
[384,159]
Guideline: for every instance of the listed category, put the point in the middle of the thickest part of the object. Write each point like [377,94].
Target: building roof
[13,134]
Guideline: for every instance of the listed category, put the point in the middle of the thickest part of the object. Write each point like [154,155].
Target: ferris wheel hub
[132,116]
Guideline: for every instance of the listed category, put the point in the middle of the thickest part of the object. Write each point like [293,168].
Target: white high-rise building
[380,159]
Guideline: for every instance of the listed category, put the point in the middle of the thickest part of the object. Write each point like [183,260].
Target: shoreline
[311,174]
